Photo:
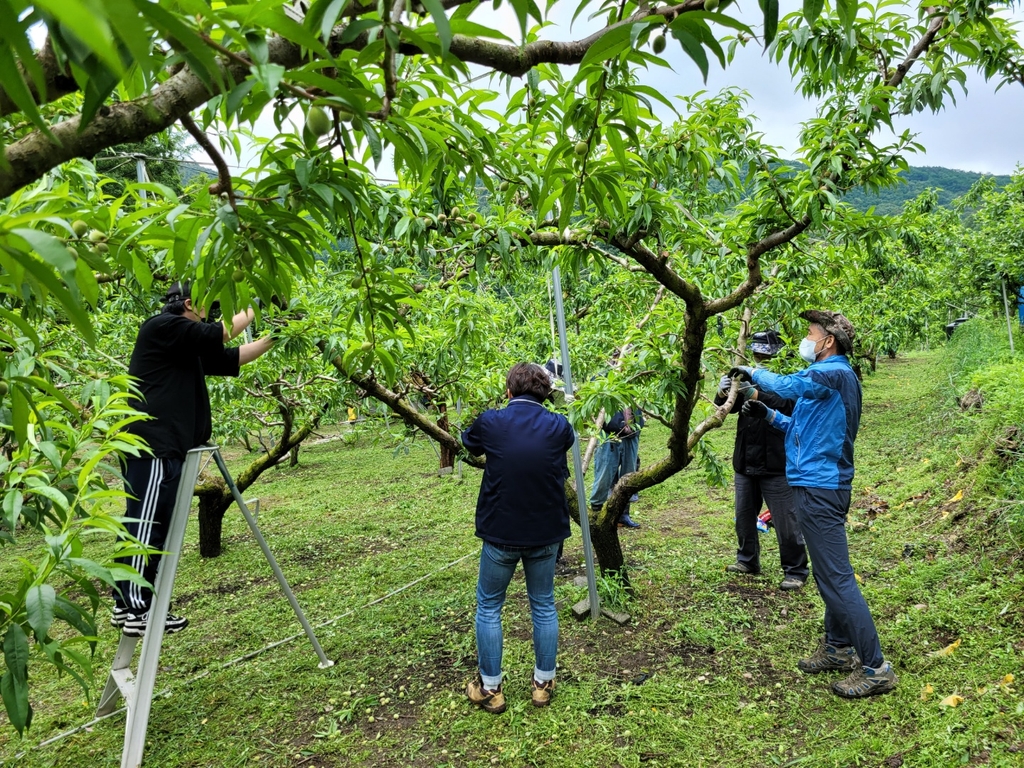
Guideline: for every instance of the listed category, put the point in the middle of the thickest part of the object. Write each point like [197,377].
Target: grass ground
[705,675]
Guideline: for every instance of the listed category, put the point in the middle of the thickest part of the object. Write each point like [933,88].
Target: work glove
[723,385]
[745,372]
[755,409]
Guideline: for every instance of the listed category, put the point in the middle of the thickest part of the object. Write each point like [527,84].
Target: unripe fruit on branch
[4,389]
[356,281]
[658,46]
[102,248]
[581,148]
[471,216]
[345,114]
[96,236]
[710,5]
[503,187]
[455,211]
[72,252]
[317,121]
[238,275]
[366,346]
[246,258]
[79,227]
[441,219]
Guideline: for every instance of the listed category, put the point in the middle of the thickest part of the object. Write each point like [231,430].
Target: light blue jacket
[821,431]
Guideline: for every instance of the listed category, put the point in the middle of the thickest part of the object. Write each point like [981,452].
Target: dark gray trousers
[773,490]
[822,514]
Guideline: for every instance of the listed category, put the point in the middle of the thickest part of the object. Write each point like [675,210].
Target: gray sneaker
[865,681]
[791,583]
[827,658]
[742,568]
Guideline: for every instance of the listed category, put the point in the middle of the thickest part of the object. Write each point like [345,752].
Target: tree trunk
[294,460]
[447,453]
[608,551]
[211,523]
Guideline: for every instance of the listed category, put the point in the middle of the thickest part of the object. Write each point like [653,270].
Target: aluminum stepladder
[138,689]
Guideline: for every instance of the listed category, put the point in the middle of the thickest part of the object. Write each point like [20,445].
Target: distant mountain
[950,182]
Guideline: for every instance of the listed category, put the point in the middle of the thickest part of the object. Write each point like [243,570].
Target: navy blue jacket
[821,431]
[522,495]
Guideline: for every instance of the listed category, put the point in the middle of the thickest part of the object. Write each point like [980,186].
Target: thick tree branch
[223,185]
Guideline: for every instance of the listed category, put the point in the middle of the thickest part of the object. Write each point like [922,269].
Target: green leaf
[771,19]
[16,653]
[50,248]
[812,10]
[48,279]
[15,695]
[39,602]
[91,28]
[694,49]
[607,46]
[444,30]
[847,11]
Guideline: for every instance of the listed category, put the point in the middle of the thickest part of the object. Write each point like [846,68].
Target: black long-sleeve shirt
[172,357]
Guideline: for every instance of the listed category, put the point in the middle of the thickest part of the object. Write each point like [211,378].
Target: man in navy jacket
[819,467]
[521,514]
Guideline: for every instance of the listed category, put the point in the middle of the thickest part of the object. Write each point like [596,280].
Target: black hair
[174,299]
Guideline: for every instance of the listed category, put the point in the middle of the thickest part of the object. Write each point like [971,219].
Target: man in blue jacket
[521,514]
[819,467]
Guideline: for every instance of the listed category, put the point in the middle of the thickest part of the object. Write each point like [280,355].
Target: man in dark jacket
[819,465]
[759,459]
[173,354]
[521,514]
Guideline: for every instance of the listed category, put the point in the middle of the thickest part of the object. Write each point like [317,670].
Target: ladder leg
[324,661]
[112,692]
[149,659]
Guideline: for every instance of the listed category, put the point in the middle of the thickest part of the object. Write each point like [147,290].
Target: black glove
[743,371]
[755,409]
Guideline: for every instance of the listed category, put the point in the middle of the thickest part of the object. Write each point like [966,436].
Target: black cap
[766,343]
[179,291]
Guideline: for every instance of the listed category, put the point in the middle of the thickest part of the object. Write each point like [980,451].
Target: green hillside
[951,182]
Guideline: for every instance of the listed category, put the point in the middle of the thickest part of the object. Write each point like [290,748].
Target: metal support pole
[581,492]
[324,661]
[1009,324]
[140,173]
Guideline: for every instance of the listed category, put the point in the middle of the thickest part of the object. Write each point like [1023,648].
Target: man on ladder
[173,354]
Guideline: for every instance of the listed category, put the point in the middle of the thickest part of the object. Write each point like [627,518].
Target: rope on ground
[253,654]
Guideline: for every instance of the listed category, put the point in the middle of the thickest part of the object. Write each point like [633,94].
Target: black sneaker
[135,624]
[119,616]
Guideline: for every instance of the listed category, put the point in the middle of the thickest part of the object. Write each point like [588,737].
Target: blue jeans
[612,460]
[822,514]
[497,564]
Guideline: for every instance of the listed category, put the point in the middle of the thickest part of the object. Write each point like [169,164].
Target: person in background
[819,466]
[616,456]
[522,514]
[759,460]
[174,353]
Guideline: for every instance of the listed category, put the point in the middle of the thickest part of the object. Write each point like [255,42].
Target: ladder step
[125,682]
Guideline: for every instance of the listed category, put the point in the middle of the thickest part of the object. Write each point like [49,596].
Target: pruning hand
[757,410]
[745,372]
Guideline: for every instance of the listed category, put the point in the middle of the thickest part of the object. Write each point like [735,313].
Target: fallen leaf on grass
[947,651]
[959,495]
[954,700]
[926,692]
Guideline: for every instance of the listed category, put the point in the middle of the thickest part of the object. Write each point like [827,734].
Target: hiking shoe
[828,657]
[542,692]
[627,522]
[119,616]
[135,624]
[486,699]
[865,681]
[790,583]
[742,568]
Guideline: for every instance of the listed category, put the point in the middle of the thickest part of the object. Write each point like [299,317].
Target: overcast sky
[983,131]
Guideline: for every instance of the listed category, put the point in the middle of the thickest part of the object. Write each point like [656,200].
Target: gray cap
[834,324]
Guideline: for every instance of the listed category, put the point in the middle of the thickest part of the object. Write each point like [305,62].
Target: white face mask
[807,347]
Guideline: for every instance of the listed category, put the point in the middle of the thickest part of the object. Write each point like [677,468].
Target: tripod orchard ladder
[138,689]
